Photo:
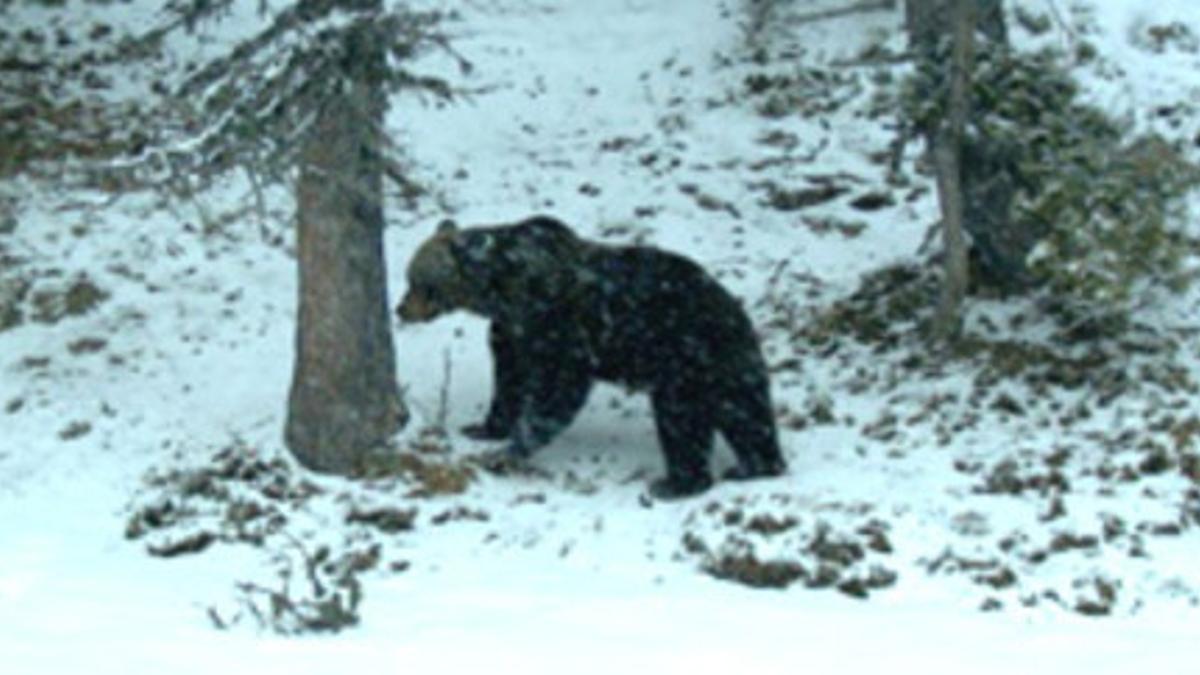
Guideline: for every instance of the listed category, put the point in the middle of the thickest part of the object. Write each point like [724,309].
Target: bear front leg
[508,377]
[555,391]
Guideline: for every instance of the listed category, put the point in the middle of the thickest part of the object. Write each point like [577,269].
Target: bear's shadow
[613,435]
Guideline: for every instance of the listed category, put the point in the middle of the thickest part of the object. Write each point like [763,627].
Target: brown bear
[565,312]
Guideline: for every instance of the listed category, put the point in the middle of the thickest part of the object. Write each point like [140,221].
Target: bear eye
[426,291]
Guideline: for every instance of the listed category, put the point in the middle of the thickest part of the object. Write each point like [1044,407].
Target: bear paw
[667,489]
[482,431]
[749,473]
[502,462]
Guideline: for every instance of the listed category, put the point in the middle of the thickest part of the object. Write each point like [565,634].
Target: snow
[573,570]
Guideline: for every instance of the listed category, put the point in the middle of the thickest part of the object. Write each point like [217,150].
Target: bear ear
[447,226]
[470,248]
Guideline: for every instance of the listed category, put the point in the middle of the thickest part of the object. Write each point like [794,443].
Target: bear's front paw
[481,431]
[505,462]
[667,489]
[499,462]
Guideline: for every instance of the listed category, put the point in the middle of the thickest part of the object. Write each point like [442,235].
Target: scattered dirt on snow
[1052,461]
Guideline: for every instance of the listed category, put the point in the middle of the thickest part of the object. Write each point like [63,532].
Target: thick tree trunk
[344,399]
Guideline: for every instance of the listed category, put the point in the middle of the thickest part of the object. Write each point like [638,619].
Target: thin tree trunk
[948,143]
[986,167]
[928,20]
[344,399]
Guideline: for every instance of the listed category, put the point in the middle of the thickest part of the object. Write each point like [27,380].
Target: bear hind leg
[748,425]
[685,434]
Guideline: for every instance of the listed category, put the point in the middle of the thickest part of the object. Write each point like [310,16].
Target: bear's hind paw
[744,473]
[665,489]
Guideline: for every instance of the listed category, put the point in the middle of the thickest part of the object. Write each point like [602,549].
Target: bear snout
[415,308]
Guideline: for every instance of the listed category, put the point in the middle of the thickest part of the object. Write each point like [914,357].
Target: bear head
[493,271]
[436,285]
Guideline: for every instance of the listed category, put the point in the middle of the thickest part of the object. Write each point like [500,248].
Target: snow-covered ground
[919,493]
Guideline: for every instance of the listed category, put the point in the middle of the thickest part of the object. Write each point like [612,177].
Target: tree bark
[928,21]
[947,151]
[344,399]
[986,168]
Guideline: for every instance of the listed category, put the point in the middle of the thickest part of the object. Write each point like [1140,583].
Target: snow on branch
[248,107]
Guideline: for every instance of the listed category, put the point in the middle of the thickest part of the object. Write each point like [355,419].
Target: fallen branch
[860,7]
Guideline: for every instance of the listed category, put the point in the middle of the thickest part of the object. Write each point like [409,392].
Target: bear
[566,312]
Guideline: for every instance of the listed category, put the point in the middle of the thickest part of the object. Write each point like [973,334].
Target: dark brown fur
[566,312]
